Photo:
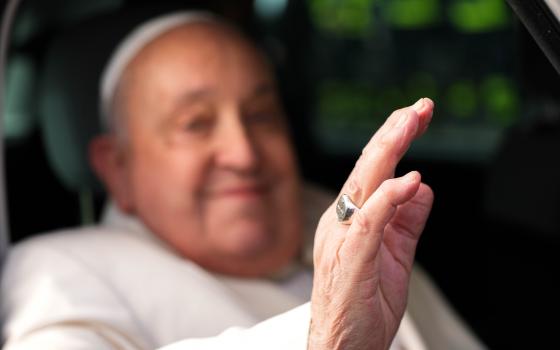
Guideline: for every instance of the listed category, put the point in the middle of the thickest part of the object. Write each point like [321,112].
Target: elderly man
[201,242]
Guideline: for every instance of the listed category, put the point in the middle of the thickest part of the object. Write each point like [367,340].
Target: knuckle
[354,189]
[386,188]
[386,136]
[362,220]
[389,193]
[384,141]
[410,112]
[395,115]
[398,114]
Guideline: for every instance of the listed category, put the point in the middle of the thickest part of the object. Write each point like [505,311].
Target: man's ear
[109,163]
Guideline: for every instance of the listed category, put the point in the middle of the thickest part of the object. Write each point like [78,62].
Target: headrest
[69,114]
[20,109]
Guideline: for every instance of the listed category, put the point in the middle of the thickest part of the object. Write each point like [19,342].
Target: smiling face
[206,161]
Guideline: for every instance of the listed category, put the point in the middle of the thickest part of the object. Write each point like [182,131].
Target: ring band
[345,208]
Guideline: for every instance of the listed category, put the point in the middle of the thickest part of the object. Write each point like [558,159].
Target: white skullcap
[129,48]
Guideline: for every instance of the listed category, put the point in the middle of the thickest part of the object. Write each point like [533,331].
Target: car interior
[491,154]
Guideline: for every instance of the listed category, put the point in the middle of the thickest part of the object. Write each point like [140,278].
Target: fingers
[381,155]
[411,217]
[424,110]
[368,224]
[402,234]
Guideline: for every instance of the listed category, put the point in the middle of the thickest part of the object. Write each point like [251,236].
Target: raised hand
[362,269]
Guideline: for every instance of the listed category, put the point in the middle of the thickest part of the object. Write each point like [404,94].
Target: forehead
[197,52]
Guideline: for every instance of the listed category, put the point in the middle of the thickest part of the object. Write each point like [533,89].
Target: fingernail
[418,105]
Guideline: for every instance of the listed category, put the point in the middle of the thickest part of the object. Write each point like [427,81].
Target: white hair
[129,48]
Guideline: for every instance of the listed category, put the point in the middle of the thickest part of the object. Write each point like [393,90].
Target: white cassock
[117,286]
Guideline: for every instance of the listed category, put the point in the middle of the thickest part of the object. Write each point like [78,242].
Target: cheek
[166,182]
[278,155]
[281,165]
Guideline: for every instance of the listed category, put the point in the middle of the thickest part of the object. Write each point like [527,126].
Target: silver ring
[345,208]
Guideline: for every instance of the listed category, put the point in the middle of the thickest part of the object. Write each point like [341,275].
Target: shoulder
[90,245]
[51,258]
[91,236]
[115,260]
[40,252]
[47,282]
[73,259]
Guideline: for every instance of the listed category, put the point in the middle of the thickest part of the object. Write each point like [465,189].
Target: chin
[248,252]
[249,242]
[250,248]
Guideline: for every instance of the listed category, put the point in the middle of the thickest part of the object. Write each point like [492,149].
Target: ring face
[345,208]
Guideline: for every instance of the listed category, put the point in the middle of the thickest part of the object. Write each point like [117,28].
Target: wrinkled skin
[204,160]
[362,270]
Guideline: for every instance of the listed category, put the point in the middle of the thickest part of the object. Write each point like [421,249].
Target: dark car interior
[491,154]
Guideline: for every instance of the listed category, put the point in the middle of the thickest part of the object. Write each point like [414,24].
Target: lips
[239,191]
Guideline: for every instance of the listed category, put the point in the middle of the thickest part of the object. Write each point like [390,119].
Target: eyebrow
[264,89]
[183,100]
[193,96]
[205,93]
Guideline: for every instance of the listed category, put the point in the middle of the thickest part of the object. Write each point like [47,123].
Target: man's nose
[236,148]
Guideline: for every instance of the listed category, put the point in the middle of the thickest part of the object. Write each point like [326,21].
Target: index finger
[381,155]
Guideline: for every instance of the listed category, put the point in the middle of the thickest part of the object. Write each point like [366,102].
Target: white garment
[123,279]
[117,286]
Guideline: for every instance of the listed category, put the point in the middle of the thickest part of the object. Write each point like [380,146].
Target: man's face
[207,157]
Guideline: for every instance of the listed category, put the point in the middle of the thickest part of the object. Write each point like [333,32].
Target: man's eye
[261,117]
[198,125]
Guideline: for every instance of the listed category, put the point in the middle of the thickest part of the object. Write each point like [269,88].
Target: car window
[343,66]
